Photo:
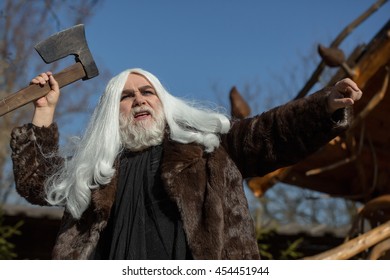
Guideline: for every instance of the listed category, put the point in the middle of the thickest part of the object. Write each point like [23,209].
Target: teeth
[141,114]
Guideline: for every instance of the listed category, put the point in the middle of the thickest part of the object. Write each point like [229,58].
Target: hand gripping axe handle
[70,41]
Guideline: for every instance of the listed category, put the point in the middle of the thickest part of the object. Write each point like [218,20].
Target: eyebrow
[142,88]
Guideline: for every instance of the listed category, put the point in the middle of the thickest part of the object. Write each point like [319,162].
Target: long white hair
[92,163]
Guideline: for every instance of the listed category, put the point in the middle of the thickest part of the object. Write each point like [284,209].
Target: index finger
[343,85]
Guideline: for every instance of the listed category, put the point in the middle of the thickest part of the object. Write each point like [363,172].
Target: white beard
[137,136]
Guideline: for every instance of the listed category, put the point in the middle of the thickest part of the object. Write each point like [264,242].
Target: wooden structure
[355,165]
[38,231]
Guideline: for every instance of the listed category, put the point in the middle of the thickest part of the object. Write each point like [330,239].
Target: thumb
[53,84]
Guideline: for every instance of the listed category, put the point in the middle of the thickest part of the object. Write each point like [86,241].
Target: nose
[139,99]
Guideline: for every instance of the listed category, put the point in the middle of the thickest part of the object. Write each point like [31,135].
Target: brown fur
[207,187]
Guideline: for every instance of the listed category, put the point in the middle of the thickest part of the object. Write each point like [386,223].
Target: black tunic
[144,222]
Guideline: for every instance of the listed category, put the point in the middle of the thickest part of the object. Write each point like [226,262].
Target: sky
[196,47]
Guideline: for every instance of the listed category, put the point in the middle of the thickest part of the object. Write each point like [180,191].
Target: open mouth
[142,115]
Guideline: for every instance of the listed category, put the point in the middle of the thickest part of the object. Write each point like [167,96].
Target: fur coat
[207,187]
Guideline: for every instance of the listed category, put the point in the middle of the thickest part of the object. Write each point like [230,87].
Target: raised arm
[289,133]
[35,145]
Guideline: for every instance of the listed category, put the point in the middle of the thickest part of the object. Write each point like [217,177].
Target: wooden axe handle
[34,92]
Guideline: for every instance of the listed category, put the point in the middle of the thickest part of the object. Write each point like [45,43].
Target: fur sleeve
[34,157]
[284,135]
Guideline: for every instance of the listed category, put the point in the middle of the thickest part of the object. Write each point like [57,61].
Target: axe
[70,41]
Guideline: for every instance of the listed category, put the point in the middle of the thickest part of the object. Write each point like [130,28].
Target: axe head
[70,41]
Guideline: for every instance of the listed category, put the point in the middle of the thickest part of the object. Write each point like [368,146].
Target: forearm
[283,135]
[43,117]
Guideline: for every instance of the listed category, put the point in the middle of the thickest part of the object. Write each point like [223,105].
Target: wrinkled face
[139,101]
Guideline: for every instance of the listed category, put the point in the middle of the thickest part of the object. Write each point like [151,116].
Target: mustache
[137,110]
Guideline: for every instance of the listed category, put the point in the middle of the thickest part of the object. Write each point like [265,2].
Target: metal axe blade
[70,41]
[67,42]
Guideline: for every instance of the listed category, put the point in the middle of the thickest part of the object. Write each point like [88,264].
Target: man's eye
[148,92]
[124,97]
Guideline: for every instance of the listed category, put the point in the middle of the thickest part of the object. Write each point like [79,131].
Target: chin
[145,123]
